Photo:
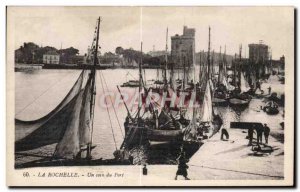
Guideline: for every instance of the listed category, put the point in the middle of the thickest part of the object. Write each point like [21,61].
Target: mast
[220,65]
[166,65]
[200,70]
[234,71]
[183,80]
[208,53]
[140,81]
[240,66]
[225,62]
[93,91]
[212,64]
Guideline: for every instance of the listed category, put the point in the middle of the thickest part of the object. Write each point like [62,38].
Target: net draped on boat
[61,124]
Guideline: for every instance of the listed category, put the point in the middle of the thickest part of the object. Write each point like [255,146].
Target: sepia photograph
[150,96]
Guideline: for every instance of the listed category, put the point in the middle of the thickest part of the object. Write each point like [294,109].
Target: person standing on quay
[250,135]
[259,132]
[182,166]
[266,133]
[269,89]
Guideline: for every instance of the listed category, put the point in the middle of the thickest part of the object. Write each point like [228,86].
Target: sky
[128,26]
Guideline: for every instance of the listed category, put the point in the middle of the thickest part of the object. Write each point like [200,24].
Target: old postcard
[150,96]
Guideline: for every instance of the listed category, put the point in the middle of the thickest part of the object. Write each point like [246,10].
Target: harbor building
[51,57]
[183,48]
[258,53]
[259,57]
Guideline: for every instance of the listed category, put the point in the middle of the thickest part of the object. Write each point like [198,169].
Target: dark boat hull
[239,102]
[164,135]
[220,102]
[271,111]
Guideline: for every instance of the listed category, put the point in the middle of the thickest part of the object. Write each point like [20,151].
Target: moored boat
[271,108]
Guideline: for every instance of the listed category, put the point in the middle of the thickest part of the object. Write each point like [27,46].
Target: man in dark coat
[266,133]
[250,135]
[224,132]
[182,166]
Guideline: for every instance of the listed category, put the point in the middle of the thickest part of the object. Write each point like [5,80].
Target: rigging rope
[112,105]
[35,99]
[112,130]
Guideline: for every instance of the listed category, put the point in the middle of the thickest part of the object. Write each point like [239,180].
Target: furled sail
[244,84]
[207,111]
[50,128]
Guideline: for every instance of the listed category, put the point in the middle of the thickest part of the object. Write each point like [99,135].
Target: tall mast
[234,71]
[224,61]
[208,53]
[200,70]
[240,65]
[140,80]
[183,80]
[220,65]
[166,65]
[212,64]
[93,91]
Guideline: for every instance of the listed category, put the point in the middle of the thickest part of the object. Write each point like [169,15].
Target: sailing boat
[205,123]
[69,126]
[240,96]
[221,92]
[164,86]
[150,124]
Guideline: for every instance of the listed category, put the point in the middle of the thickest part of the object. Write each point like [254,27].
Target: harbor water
[38,92]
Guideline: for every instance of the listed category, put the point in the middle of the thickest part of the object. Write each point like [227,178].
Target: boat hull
[271,111]
[156,135]
[220,102]
[239,102]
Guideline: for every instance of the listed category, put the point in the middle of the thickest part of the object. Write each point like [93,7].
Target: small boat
[131,83]
[241,99]
[239,102]
[220,101]
[271,108]
[281,79]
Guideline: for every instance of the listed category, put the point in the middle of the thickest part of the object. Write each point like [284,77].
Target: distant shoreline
[22,67]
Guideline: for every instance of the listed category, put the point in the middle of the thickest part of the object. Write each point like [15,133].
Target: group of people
[260,131]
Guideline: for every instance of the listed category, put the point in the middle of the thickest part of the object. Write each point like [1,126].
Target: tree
[119,50]
[28,52]
[68,55]
[69,51]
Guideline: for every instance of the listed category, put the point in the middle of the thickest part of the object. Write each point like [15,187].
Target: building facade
[258,53]
[51,57]
[259,59]
[183,48]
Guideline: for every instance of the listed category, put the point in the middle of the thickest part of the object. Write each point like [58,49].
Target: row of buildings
[182,52]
